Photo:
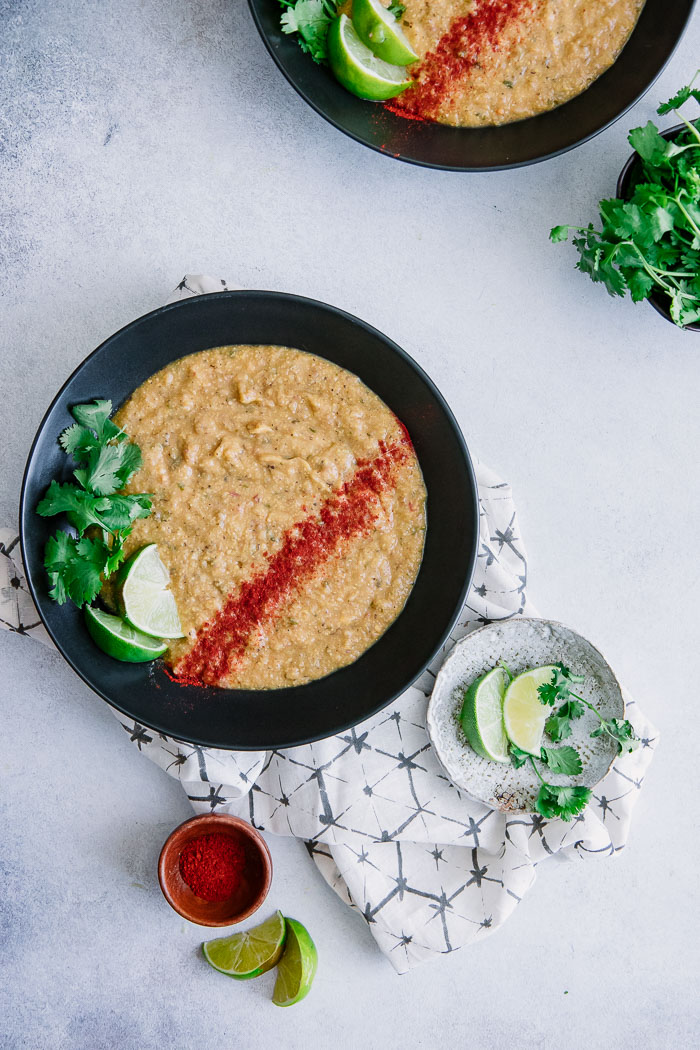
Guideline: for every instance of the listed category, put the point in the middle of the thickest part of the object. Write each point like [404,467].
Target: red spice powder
[212,866]
[305,547]
[457,52]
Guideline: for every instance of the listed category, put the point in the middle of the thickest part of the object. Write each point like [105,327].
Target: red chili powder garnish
[457,52]
[349,512]
[212,866]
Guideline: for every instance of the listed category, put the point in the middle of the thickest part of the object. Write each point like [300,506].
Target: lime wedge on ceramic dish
[248,953]
[358,69]
[297,967]
[482,715]
[119,639]
[524,714]
[143,595]
[381,31]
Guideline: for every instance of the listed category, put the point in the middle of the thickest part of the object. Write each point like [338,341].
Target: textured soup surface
[242,443]
[494,61]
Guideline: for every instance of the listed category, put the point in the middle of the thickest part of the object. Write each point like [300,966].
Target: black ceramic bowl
[278,717]
[628,177]
[649,48]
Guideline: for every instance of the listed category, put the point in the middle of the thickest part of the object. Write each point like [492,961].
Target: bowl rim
[230,821]
[624,185]
[504,166]
[25,514]
[430,722]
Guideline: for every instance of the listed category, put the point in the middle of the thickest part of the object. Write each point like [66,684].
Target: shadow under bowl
[255,879]
[629,176]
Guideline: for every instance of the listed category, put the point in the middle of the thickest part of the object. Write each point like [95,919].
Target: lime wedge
[297,967]
[248,953]
[524,714]
[482,715]
[143,595]
[358,69]
[117,638]
[379,29]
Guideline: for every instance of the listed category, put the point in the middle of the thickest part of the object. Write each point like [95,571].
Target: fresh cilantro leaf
[58,554]
[558,688]
[124,510]
[564,760]
[131,461]
[549,692]
[310,19]
[83,509]
[563,802]
[621,731]
[74,567]
[101,475]
[558,725]
[96,417]
[77,441]
[680,98]
[397,10]
[83,575]
[558,234]
[518,757]
[648,143]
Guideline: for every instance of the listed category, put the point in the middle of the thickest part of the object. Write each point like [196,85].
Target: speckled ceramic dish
[521,643]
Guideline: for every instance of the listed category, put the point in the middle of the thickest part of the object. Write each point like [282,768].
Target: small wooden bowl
[255,882]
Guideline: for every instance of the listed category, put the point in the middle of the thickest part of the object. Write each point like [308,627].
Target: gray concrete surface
[144,139]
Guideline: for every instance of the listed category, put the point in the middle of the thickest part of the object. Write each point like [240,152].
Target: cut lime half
[524,714]
[143,595]
[119,639]
[248,953]
[358,69]
[379,29]
[482,715]
[297,967]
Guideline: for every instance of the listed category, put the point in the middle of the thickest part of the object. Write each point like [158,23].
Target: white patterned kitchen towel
[429,869]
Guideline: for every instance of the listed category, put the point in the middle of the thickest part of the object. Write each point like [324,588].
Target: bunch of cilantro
[311,19]
[77,563]
[651,242]
[567,800]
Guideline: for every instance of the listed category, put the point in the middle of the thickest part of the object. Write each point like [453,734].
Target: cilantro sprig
[310,20]
[651,242]
[567,800]
[558,725]
[105,460]
[555,800]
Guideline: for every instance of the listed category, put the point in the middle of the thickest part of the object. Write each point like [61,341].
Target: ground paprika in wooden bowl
[215,870]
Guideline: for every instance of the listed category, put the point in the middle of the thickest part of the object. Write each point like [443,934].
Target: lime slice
[379,29]
[143,595]
[524,714]
[117,638]
[248,953]
[297,967]
[482,715]
[358,69]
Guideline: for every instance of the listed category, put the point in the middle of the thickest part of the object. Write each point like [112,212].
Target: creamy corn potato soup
[494,61]
[288,505]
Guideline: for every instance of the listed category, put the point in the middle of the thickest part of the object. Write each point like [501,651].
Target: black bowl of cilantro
[653,40]
[637,180]
[647,242]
